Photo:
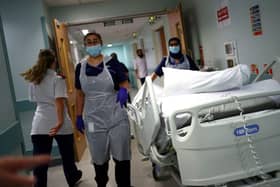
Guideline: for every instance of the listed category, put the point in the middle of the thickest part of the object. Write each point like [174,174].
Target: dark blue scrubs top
[158,71]
[116,70]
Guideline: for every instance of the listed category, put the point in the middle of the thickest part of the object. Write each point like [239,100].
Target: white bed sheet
[179,102]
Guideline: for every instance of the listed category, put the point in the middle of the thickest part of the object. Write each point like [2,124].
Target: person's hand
[10,166]
[122,96]
[80,124]
[55,129]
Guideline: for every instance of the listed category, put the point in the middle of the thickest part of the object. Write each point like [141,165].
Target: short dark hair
[114,56]
[95,34]
[138,50]
[174,39]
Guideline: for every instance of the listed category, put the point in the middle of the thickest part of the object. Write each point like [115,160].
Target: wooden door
[67,67]
[176,26]
[162,41]
[134,48]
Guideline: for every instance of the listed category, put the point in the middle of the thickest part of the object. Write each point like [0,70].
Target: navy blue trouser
[122,173]
[42,144]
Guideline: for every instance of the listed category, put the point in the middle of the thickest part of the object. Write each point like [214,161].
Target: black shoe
[76,179]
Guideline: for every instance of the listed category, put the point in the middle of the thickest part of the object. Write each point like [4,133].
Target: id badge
[90,127]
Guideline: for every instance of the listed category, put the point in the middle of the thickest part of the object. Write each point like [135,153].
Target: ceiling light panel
[54,3]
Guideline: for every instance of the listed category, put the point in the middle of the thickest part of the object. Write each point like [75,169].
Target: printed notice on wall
[223,16]
[269,71]
[255,18]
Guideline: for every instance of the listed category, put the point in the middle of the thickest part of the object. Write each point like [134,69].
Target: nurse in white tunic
[50,120]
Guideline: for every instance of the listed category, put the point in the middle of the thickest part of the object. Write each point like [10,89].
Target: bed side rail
[145,113]
[194,111]
[232,98]
[149,86]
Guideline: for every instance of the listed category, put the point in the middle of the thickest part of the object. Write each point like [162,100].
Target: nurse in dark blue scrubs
[176,59]
[101,85]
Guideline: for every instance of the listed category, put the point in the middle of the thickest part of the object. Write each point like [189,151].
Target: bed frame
[237,151]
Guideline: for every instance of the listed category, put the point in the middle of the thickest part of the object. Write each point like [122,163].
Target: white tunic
[141,65]
[44,94]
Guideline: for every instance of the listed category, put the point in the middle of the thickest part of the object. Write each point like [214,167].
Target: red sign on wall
[269,71]
[254,69]
[223,14]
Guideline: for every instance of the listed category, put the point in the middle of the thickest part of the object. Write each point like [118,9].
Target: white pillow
[178,81]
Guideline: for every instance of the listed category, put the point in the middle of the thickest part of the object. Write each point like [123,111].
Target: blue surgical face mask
[94,50]
[174,49]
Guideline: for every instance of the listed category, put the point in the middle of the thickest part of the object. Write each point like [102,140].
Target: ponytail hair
[36,73]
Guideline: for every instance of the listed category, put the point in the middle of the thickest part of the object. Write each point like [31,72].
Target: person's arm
[136,69]
[124,84]
[193,66]
[60,94]
[137,73]
[124,68]
[80,100]
[80,96]
[154,76]
[122,95]
[59,104]
[158,71]
[10,166]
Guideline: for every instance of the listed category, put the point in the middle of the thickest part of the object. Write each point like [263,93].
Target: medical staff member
[140,66]
[176,59]
[102,94]
[51,119]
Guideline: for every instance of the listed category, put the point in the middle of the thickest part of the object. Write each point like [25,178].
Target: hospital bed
[229,138]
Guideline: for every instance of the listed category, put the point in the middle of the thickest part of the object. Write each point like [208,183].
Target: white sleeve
[60,89]
[31,94]
[135,64]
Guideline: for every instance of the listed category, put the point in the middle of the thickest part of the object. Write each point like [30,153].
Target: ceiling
[115,34]
[55,3]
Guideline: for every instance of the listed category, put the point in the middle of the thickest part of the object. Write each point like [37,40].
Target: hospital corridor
[129,93]
[141,173]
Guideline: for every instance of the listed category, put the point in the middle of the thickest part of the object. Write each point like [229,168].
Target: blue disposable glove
[80,124]
[122,96]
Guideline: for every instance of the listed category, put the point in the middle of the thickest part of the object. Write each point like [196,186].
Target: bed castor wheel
[160,173]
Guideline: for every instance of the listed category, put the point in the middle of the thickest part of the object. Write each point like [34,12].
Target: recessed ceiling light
[73,42]
[109,45]
[84,31]
[134,34]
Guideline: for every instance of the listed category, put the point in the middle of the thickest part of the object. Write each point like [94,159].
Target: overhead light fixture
[134,34]
[73,42]
[84,31]
[109,45]
[153,19]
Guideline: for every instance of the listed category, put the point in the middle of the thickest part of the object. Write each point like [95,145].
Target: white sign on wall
[231,53]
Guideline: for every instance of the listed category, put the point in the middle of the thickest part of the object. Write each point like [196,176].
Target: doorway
[121,35]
